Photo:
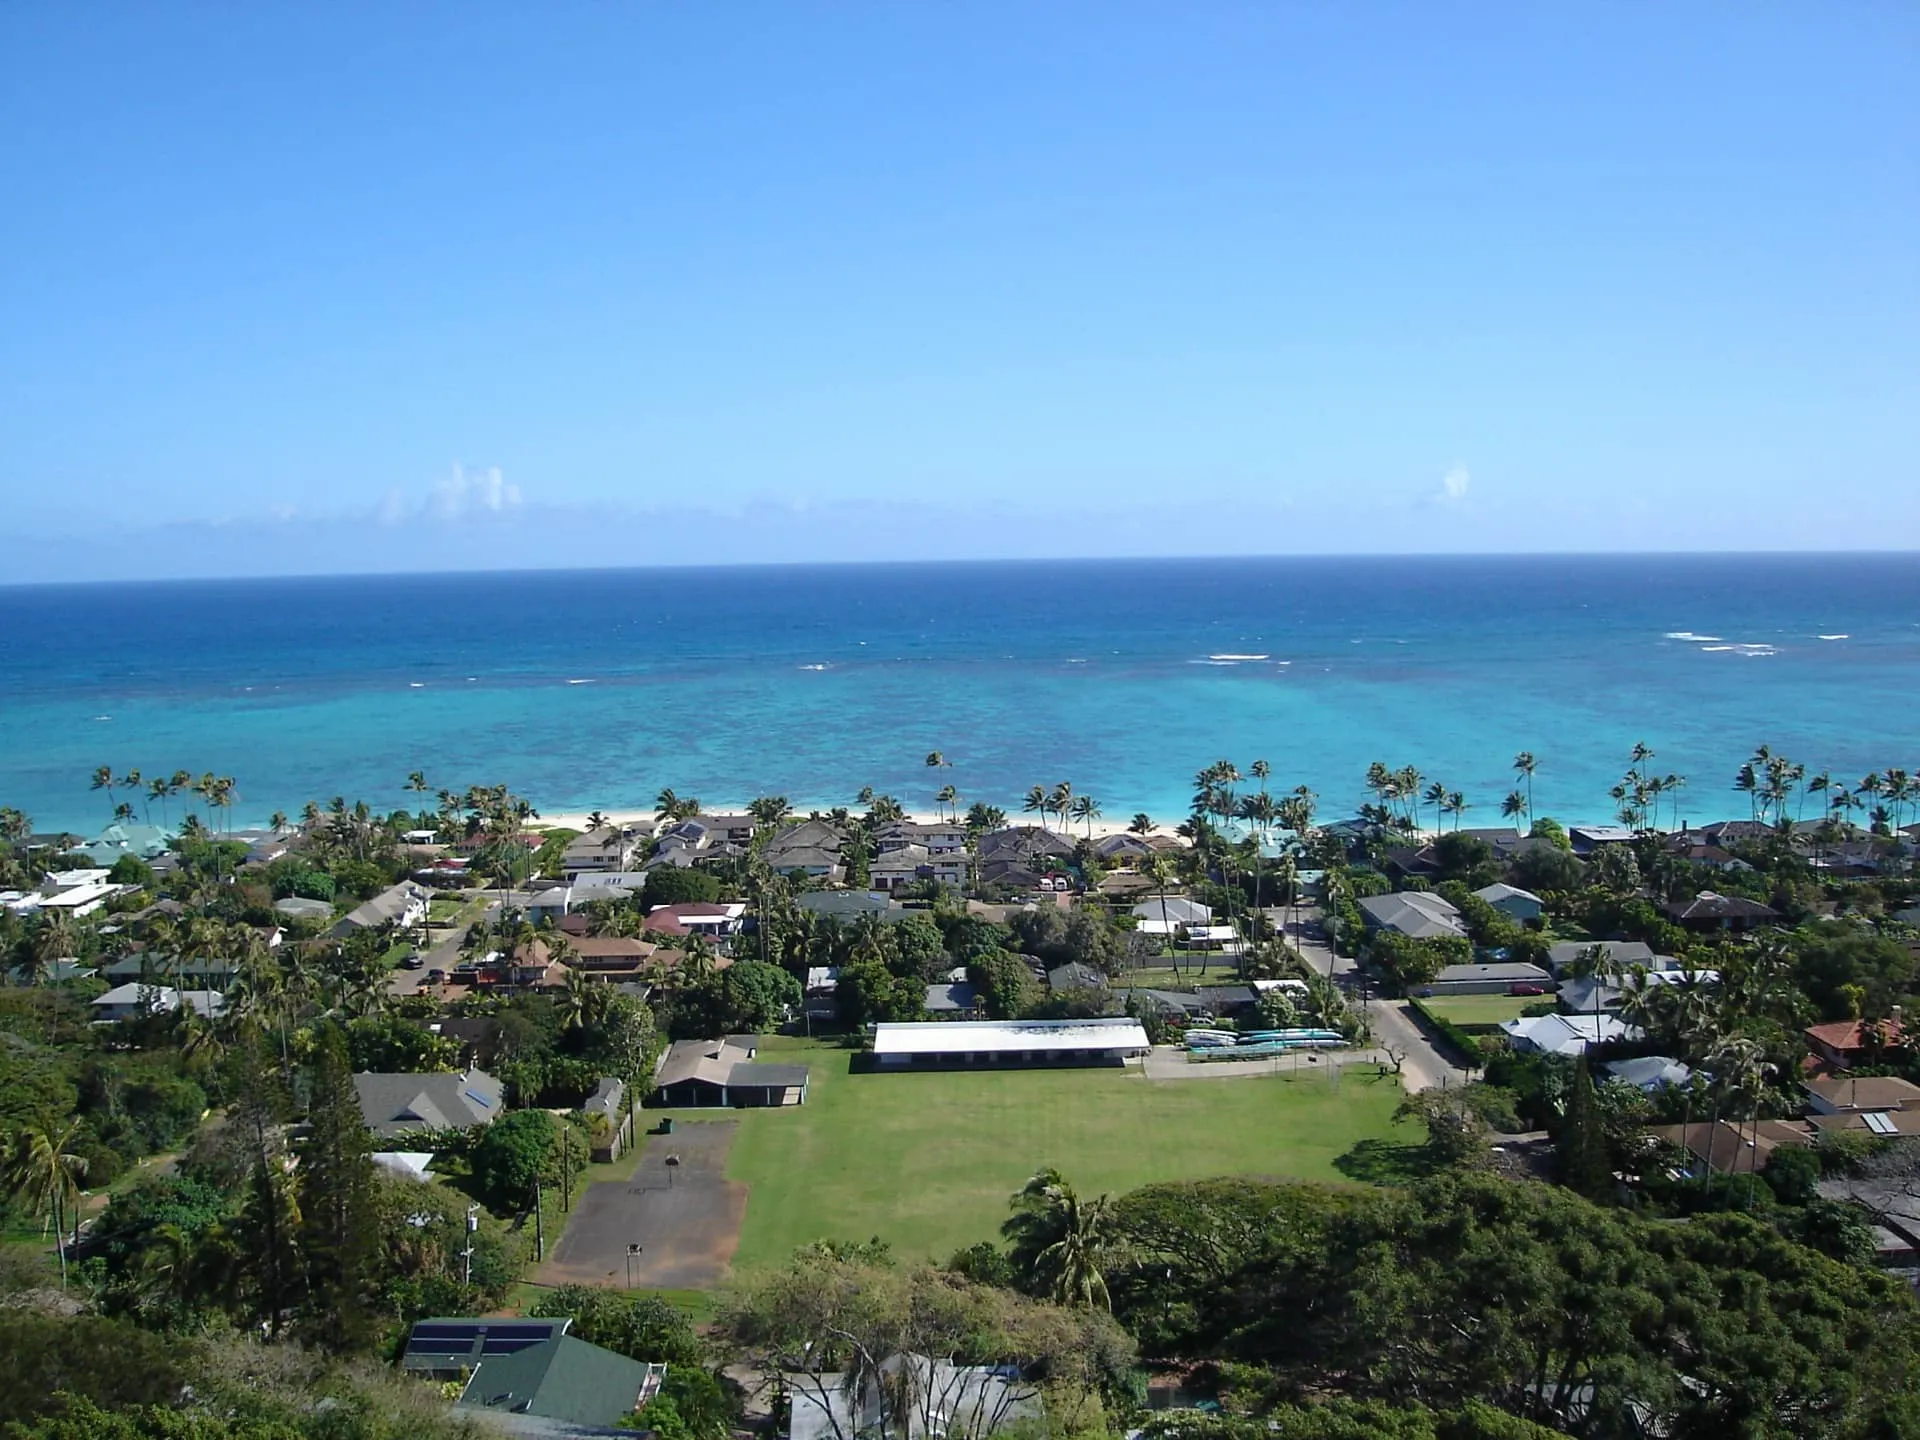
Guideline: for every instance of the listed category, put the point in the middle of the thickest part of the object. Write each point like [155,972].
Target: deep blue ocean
[596,689]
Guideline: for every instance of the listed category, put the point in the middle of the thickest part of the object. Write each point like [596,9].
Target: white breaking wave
[1836,637]
[813,667]
[579,682]
[1740,649]
[416,685]
[1689,635]
[1235,659]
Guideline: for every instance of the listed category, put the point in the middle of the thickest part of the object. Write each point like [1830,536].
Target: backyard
[926,1161]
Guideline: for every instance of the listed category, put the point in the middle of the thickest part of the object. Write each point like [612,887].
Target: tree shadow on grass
[1385,1162]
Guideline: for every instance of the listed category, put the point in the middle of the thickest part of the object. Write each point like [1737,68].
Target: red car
[1523,988]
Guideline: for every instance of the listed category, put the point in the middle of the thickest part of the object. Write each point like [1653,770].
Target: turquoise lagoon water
[596,689]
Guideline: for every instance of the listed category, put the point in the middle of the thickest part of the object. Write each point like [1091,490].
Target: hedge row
[1467,1044]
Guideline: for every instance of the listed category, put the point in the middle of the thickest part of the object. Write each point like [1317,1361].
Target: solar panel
[477,1098]
[488,1337]
[1880,1124]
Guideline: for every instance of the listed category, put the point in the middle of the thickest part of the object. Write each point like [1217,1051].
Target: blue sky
[370,287]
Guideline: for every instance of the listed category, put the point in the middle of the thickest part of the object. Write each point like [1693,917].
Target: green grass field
[1482,1009]
[927,1161]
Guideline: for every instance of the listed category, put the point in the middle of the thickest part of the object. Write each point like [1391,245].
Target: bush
[1460,1040]
[513,1153]
[641,1327]
[106,1361]
[668,886]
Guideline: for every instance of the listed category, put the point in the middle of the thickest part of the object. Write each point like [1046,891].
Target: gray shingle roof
[393,1104]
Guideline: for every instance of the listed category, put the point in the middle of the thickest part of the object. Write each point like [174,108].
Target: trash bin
[666,1126]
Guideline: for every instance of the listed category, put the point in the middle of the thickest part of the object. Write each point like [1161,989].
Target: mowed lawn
[1483,1009]
[927,1161]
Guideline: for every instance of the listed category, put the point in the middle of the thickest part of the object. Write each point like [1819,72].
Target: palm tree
[935,760]
[666,807]
[1061,801]
[1142,824]
[1455,805]
[1037,799]
[1524,764]
[1436,796]
[417,783]
[158,789]
[44,1171]
[1514,806]
[1085,807]
[1063,1240]
[103,780]
[948,797]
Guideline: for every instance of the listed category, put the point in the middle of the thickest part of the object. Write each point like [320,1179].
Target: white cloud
[1453,485]
[466,492]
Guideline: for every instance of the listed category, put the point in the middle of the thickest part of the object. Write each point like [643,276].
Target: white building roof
[959,1037]
[1495,893]
[1175,910]
[1567,1034]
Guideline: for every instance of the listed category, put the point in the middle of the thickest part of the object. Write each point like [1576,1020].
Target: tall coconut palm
[1085,807]
[1514,806]
[1142,824]
[103,780]
[1037,800]
[44,1171]
[417,785]
[1063,1241]
[1436,796]
[949,798]
[1060,801]
[935,760]
[1524,764]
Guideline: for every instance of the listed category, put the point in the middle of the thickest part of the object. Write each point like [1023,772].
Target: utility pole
[539,1224]
[466,1255]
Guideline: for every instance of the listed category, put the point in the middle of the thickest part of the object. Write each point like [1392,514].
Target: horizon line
[964,561]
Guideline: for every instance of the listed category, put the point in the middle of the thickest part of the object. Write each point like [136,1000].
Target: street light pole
[633,1253]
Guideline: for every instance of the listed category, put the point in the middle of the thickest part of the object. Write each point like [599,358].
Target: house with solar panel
[398,1104]
[533,1370]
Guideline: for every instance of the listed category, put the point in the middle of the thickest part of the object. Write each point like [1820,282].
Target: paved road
[1425,1067]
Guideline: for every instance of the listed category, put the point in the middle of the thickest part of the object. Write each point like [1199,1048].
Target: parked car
[1526,988]
[436,977]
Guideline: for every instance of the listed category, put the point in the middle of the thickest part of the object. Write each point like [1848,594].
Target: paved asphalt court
[685,1218]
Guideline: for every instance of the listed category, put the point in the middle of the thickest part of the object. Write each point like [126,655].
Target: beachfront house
[1165,914]
[609,848]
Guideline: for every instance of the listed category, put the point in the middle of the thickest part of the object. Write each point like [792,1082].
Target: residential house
[1010,874]
[1164,914]
[952,997]
[143,842]
[1586,839]
[510,1367]
[1075,976]
[1522,906]
[1712,911]
[898,868]
[1734,832]
[1860,1094]
[1123,849]
[1730,1147]
[1649,1074]
[612,957]
[403,906]
[1499,978]
[846,906]
[1032,845]
[1845,1044]
[135,1000]
[939,838]
[209,972]
[401,1103]
[714,920]
[609,848]
[1567,1035]
[726,1072]
[1590,992]
[810,846]
[1622,954]
[610,1119]
[602,886]
[1417,914]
